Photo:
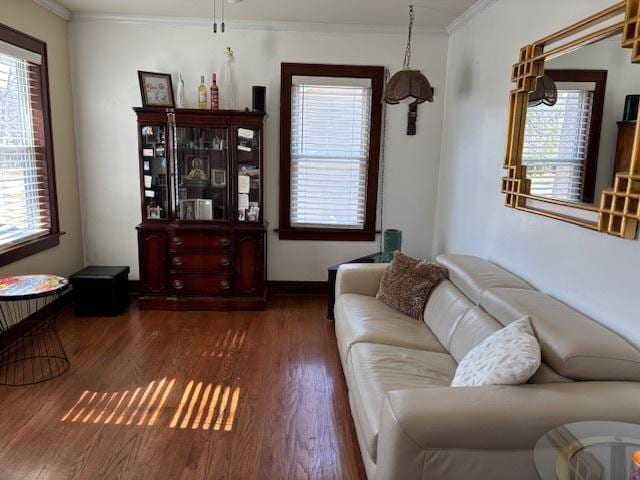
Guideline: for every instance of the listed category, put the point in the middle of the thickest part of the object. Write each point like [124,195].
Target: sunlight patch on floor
[206,411]
[227,345]
[201,407]
[141,406]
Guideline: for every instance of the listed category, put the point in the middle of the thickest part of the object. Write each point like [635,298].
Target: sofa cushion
[473,328]
[369,464]
[572,344]
[509,356]
[473,275]
[445,308]
[361,318]
[378,369]
[408,282]
[546,374]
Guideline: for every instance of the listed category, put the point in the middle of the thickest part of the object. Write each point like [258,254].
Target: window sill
[326,234]
[28,248]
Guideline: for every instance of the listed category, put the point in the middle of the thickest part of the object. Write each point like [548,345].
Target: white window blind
[330,127]
[556,144]
[24,199]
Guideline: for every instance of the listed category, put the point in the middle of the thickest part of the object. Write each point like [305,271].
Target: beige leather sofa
[412,425]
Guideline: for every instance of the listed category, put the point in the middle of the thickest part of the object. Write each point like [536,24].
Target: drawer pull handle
[225,242]
[225,284]
[177,261]
[224,261]
[177,241]
[177,284]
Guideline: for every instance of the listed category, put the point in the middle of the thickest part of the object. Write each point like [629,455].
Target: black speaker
[631,108]
[259,98]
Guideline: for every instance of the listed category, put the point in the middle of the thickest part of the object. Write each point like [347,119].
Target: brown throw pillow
[407,283]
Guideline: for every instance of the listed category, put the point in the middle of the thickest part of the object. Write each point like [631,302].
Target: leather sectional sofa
[412,425]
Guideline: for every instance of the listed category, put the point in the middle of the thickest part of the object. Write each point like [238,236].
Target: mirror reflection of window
[578,138]
[557,141]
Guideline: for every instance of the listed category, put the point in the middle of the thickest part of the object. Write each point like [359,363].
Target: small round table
[30,348]
[587,451]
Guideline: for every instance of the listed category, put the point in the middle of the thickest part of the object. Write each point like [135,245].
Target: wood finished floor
[187,395]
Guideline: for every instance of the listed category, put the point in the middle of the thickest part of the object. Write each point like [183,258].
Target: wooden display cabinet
[202,240]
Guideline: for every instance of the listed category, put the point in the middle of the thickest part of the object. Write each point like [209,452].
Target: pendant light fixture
[215,23]
[407,85]
[215,9]
[545,93]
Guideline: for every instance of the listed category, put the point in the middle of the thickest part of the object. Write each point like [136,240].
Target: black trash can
[100,291]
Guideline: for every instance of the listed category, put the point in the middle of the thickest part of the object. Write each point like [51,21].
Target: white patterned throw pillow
[509,356]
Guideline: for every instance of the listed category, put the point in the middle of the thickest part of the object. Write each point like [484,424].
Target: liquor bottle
[202,94]
[215,94]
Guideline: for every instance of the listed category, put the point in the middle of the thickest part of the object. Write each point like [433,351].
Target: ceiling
[435,14]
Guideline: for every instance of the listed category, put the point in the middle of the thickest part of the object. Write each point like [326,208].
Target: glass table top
[588,451]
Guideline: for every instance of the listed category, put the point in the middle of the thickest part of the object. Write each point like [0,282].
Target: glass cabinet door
[154,166]
[201,173]
[248,171]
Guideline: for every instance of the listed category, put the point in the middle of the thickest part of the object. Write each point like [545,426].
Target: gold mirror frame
[619,210]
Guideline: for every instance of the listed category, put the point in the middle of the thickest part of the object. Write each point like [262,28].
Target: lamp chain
[215,23]
[382,161]
[407,53]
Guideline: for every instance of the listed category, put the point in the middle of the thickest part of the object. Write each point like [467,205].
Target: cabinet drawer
[190,261]
[213,285]
[199,240]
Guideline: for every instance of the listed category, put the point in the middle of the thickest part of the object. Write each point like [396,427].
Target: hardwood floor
[187,395]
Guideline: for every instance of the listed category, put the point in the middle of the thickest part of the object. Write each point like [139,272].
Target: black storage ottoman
[100,291]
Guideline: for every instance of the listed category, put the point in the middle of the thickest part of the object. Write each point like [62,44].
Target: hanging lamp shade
[546,92]
[408,86]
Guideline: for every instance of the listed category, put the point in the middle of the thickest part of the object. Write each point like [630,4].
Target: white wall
[593,272]
[105,58]
[39,22]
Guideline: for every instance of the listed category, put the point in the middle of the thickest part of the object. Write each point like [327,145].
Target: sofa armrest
[417,424]
[359,278]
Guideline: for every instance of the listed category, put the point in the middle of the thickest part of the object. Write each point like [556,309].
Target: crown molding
[474,10]
[55,7]
[254,24]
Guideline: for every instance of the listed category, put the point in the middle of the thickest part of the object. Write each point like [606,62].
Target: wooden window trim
[51,239]
[376,75]
[599,77]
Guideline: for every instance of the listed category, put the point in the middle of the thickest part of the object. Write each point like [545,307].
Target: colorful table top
[30,286]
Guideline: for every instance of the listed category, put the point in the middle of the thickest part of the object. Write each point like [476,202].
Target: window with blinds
[556,143]
[330,129]
[24,197]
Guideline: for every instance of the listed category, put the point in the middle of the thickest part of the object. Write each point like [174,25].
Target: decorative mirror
[573,147]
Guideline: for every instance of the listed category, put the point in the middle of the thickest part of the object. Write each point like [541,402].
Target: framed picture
[218,178]
[187,210]
[156,89]
[253,214]
[196,172]
[154,212]
[204,209]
